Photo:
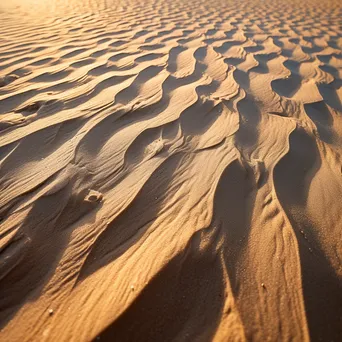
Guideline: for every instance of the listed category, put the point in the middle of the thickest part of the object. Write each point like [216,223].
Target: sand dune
[171,170]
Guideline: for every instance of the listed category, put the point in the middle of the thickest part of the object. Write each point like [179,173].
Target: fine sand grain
[170,170]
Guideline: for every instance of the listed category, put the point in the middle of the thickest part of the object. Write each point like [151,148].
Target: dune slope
[171,170]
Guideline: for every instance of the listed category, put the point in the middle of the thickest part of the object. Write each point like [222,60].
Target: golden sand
[170,170]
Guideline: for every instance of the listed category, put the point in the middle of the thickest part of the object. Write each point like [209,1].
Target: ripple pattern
[171,170]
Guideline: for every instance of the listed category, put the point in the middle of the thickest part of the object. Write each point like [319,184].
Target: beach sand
[170,170]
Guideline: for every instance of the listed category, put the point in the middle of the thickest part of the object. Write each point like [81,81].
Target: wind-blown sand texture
[170,170]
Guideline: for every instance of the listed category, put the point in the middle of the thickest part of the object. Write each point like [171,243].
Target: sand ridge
[170,170]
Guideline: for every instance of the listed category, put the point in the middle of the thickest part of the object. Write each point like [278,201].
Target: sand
[170,170]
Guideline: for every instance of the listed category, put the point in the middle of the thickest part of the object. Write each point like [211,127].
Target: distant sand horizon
[171,170]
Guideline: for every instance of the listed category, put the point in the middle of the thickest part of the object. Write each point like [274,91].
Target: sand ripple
[170,170]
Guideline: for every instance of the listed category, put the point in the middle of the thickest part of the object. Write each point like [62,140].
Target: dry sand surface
[170,170]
